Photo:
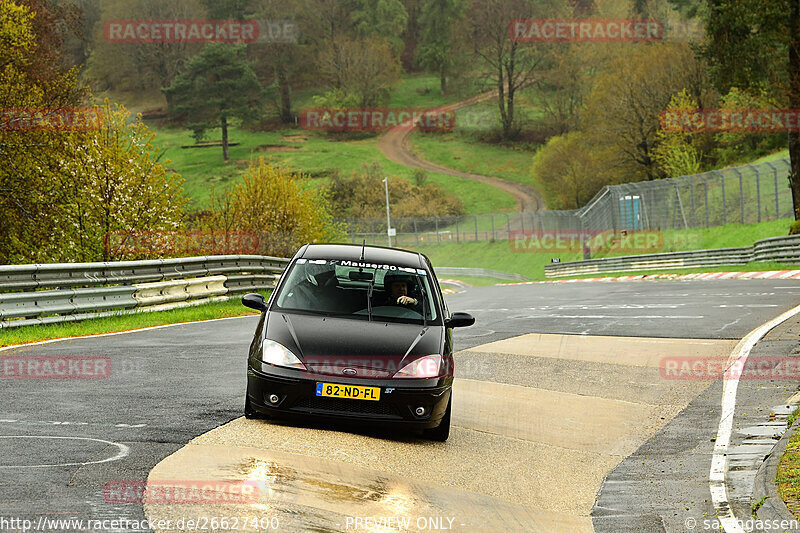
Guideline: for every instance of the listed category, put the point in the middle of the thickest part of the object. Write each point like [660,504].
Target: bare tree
[507,64]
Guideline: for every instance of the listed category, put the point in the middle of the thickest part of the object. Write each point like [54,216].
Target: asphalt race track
[558,390]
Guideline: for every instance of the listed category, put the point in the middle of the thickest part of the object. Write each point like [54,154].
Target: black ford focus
[355,332]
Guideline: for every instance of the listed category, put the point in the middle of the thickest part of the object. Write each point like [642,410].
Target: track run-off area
[564,419]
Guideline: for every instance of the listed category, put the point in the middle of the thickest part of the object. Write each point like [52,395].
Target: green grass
[116,323]
[311,152]
[771,157]
[460,152]
[499,255]
[420,90]
[788,475]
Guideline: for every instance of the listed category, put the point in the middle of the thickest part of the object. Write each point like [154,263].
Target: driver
[398,289]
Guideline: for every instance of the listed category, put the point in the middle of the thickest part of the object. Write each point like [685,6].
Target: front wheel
[442,431]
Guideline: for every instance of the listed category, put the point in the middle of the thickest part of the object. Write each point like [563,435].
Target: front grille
[343,405]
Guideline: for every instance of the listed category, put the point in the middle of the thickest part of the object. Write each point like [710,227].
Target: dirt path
[395,145]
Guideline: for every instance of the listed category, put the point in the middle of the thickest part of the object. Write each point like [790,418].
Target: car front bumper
[398,399]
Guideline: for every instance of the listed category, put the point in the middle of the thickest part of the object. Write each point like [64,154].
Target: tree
[755,46]
[563,88]
[507,64]
[383,19]
[628,96]
[569,170]
[217,86]
[361,196]
[437,51]
[114,185]
[281,66]
[32,77]
[139,66]
[280,206]
[365,68]
[677,153]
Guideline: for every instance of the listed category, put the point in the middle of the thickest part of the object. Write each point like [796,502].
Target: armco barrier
[778,249]
[75,291]
[479,273]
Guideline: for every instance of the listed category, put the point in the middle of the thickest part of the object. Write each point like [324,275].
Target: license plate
[353,392]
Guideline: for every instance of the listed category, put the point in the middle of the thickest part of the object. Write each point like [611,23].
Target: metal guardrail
[778,249]
[479,273]
[63,292]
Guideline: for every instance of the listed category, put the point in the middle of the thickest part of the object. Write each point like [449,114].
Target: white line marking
[618,317]
[39,343]
[719,462]
[63,423]
[123,452]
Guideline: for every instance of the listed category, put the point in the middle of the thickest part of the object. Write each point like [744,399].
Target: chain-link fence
[746,194]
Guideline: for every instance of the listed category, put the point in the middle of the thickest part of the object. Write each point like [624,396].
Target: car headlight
[279,355]
[425,367]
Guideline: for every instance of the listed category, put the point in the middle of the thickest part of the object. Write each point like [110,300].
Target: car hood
[329,345]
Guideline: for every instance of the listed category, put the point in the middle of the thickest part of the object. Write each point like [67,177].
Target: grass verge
[500,255]
[112,324]
[788,477]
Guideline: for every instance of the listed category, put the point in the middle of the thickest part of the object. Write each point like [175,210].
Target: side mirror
[254,301]
[459,320]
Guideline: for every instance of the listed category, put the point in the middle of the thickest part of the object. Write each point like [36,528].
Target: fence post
[508,225]
[741,193]
[691,199]
[416,233]
[438,237]
[775,175]
[705,192]
[724,207]
[758,191]
[476,228]
[493,237]
[456,229]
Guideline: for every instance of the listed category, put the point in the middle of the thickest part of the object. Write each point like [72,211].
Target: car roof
[372,254]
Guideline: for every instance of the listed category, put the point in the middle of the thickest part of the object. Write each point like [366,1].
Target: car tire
[442,431]
[249,412]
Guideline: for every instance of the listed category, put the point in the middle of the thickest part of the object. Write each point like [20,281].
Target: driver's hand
[406,300]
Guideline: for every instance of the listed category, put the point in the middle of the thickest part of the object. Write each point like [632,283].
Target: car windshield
[360,291]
